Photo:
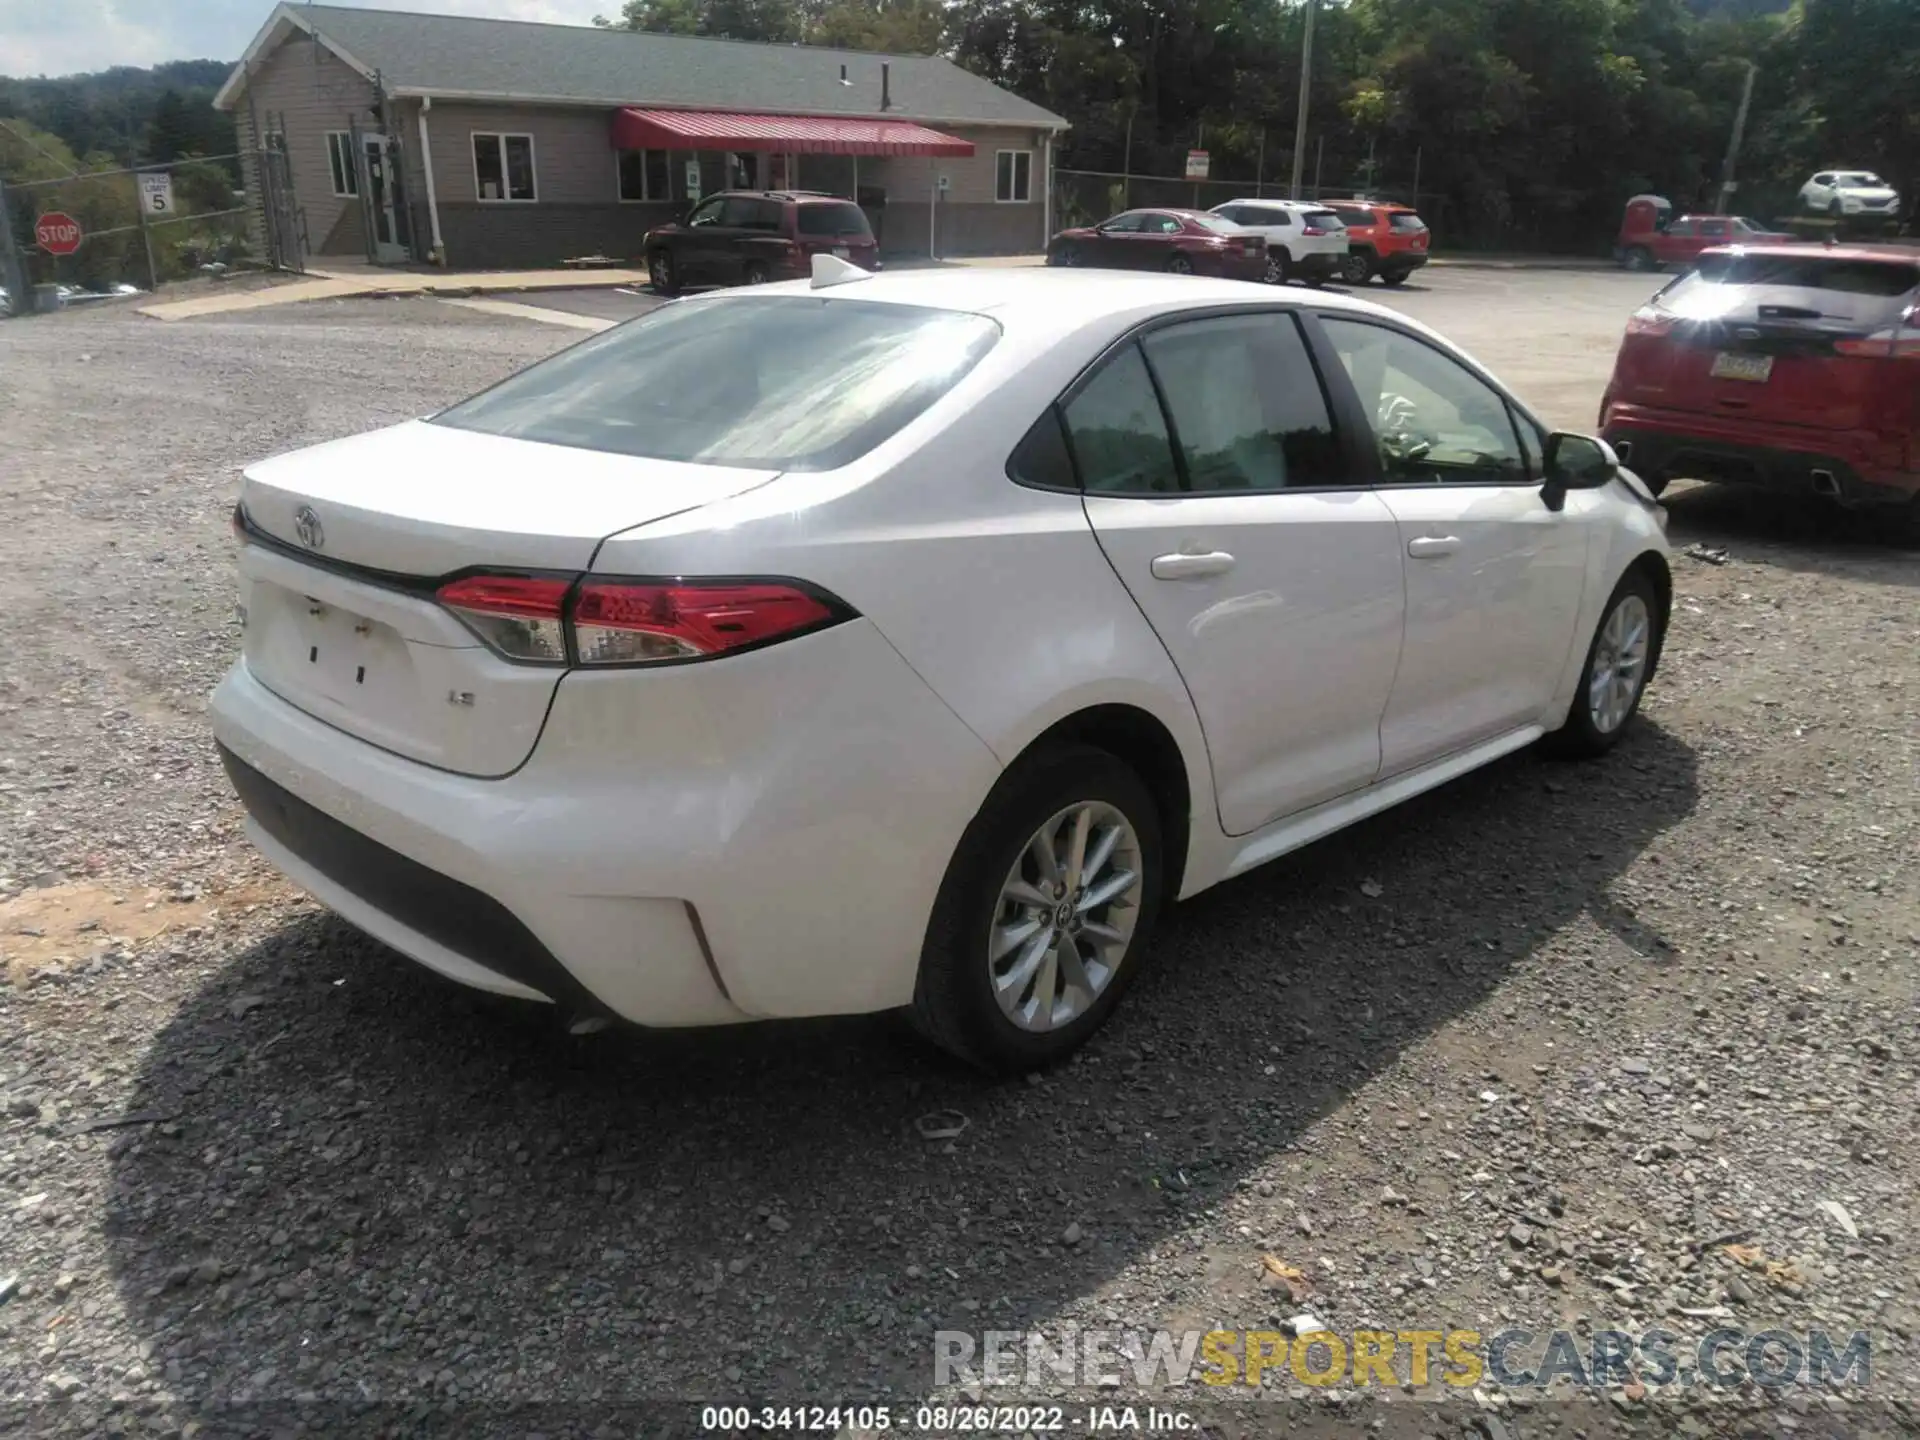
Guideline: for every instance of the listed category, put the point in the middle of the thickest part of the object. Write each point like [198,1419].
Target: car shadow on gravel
[1796,532]
[384,1186]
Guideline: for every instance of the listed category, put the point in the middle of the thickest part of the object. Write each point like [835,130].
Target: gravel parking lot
[1628,1044]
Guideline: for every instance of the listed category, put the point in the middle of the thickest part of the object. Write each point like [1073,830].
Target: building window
[644,175]
[503,166]
[346,179]
[1013,176]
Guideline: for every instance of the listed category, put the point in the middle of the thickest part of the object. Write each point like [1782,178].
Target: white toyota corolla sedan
[910,640]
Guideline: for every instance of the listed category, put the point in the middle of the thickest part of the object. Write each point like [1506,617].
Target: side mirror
[1576,462]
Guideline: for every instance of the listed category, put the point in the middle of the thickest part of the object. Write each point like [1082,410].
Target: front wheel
[755,273]
[1394,277]
[1356,269]
[1639,259]
[1619,661]
[1179,265]
[1276,267]
[1044,914]
[1070,255]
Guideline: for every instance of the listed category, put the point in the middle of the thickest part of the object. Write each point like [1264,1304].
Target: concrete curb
[333,285]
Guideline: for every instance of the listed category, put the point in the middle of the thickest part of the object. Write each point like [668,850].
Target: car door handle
[1191,567]
[1429,547]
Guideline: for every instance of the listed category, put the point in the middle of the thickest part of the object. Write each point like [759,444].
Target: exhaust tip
[1825,484]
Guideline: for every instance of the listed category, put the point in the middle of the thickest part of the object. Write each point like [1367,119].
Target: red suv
[1385,240]
[1795,367]
[748,237]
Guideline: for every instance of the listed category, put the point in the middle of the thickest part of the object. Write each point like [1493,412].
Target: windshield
[1863,178]
[1791,287]
[786,382]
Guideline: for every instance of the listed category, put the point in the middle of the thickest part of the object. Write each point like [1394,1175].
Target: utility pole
[1126,163]
[1300,120]
[1727,183]
[13,272]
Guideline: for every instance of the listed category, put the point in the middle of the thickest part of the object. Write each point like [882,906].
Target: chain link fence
[142,226]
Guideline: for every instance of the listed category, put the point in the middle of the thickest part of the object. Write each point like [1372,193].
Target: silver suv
[1304,241]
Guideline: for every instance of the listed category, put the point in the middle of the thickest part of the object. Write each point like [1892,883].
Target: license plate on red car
[1729,366]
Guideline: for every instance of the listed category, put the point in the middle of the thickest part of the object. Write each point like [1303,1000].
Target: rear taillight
[1313,230]
[551,620]
[519,616]
[636,623]
[1883,346]
[1649,321]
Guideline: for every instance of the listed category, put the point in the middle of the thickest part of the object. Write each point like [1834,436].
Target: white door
[1274,584]
[387,249]
[1493,577]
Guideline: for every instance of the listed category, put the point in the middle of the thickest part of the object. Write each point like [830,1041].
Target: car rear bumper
[764,839]
[1785,458]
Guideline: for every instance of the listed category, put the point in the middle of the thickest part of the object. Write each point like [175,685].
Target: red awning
[789,134]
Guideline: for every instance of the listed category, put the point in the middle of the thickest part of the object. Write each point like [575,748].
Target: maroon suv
[1793,367]
[748,237]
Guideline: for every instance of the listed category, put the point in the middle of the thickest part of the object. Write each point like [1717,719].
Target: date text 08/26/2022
[944,1419]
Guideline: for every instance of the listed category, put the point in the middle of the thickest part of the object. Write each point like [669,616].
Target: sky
[64,37]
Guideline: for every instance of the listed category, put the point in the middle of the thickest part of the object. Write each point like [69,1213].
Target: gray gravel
[1533,1050]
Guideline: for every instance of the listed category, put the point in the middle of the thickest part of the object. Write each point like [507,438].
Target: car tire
[754,272]
[1357,268]
[660,269]
[962,1001]
[1279,270]
[1640,259]
[1600,712]
[1315,281]
[1178,264]
[1070,255]
[1394,277]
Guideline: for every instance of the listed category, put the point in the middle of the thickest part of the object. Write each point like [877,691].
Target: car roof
[1278,200]
[800,197]
[1896,254]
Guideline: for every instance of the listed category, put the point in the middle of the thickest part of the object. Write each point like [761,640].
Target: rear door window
[1248,412]
[784,382]
[841,221]
[1119,436]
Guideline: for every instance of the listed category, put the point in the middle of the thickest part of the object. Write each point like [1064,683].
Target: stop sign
[57,233]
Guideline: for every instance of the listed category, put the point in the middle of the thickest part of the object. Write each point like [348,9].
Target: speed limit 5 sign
[156,194]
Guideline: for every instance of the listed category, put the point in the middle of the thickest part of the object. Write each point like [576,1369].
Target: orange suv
[1385,240]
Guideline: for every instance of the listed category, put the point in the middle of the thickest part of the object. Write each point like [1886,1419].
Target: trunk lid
[1768,337]
[341,620]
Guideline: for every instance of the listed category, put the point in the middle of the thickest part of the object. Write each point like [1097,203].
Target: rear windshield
[842,219]
[1354,214]
[1404,220]
[1812,288]
[1324,218]
[788,382]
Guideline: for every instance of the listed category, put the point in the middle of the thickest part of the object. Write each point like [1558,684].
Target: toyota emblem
[306,524]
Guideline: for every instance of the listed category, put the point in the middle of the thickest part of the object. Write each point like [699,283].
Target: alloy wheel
[1619,664]
[1276,270]
[1180,265]
[1065,916]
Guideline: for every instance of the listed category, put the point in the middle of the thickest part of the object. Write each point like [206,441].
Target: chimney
[886,86]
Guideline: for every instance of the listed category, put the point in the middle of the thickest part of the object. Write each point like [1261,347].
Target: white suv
[1309,241]
[1850,192]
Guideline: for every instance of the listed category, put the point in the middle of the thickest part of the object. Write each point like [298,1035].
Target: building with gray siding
[499,144]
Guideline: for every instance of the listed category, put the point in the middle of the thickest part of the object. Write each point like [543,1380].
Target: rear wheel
[1178,264]
[1357,268]
[1639,258]
[660,269]
[1044,913]
[1619,659]
[755,273]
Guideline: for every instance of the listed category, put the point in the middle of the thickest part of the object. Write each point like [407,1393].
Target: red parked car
[1385,240]
[1184,242]
[748,237]
[1796,367]
[1649,238]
